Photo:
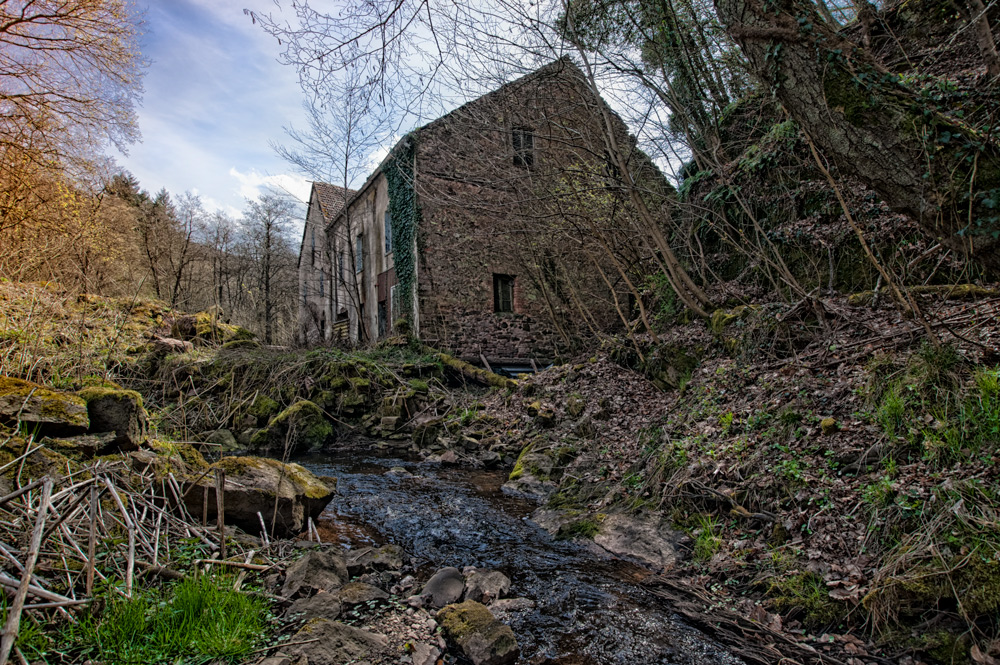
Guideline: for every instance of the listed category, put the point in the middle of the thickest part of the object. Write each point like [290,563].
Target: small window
[524,146]
[340,265]
[503,293]
[359,253]
[312,244]
[322,283]
[388,232]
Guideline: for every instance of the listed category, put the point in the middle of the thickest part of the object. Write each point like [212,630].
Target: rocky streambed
[567,602]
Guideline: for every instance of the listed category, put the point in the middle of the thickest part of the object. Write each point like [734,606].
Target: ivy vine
[404,216]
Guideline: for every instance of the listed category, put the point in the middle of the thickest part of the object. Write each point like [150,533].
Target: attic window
[524,146]
[503,293]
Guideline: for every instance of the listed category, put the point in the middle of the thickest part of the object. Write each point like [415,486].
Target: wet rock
[302,427]
[424,654]
[444,587]
[387,557]
[50,412]
[325,642]
[357,593]
[118,411]
[324,605]
[508,605]
[319,570]
[489,459]
[448,457]
[530,486]
[286,494]
[640,539]
[222,438]
[480,636]
[485,586]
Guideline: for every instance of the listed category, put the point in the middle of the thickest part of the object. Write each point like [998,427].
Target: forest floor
[832,465]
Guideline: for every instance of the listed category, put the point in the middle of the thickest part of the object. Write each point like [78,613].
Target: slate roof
[331,199]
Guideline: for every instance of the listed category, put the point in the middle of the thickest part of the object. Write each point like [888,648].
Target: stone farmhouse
[497,231]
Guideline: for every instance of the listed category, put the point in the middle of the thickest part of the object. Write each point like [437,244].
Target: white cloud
[252,184]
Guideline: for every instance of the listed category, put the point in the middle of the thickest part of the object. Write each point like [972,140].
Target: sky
[215,98]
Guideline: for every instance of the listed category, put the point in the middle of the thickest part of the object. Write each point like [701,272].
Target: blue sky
[215,96]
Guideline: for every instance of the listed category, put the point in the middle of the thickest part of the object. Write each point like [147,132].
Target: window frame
[388,233]
[359,252]
[523,144]
[503,285]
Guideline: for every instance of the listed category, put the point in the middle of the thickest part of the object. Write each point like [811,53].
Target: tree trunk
[942,174]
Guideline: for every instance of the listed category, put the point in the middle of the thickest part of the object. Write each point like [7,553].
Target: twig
[281,646]
[13,624]
[220,509]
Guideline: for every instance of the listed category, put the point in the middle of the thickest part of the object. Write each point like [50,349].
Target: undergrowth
[197,620]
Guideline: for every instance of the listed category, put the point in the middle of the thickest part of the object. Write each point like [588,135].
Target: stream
[590,608]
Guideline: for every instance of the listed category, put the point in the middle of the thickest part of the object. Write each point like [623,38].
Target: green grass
[706,542]
[194,621]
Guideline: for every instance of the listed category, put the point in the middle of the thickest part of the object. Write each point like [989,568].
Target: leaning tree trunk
[943,174]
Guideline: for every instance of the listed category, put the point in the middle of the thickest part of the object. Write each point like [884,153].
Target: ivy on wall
[404,217]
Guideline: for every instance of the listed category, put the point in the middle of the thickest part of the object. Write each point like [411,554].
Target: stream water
[589,609]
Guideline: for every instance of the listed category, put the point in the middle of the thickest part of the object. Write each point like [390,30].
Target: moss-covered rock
[207,328]
[302,426]
[285,494]
[49,412]
[118,411]
[480,636]
[575,406]
[41,462]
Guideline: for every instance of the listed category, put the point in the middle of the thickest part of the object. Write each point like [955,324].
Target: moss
[465,620]
[419,386]
[263,407]
[583,528]
[829,426]
[92,393]
[301,424]
[311,486]
[184,451]
[360,384]
[575,406]
[518,469]
[806,593]
[39,405]
[241,344]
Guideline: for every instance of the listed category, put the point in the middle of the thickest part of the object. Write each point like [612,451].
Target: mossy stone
[50,412]
[118,411]
[480,636]
[302,426]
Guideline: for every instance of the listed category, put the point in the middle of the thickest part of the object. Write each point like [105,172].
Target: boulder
[118,411]
[485,586]
[640,539]
[83,447]
[207,328]
[48,412]
[302,427]
[325,642]
[480,636]
[285,494]
[387,557]
[426,430]
[223,439]
[358,593]
[444,587]
[318,570]
[165,346]
[324,605]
